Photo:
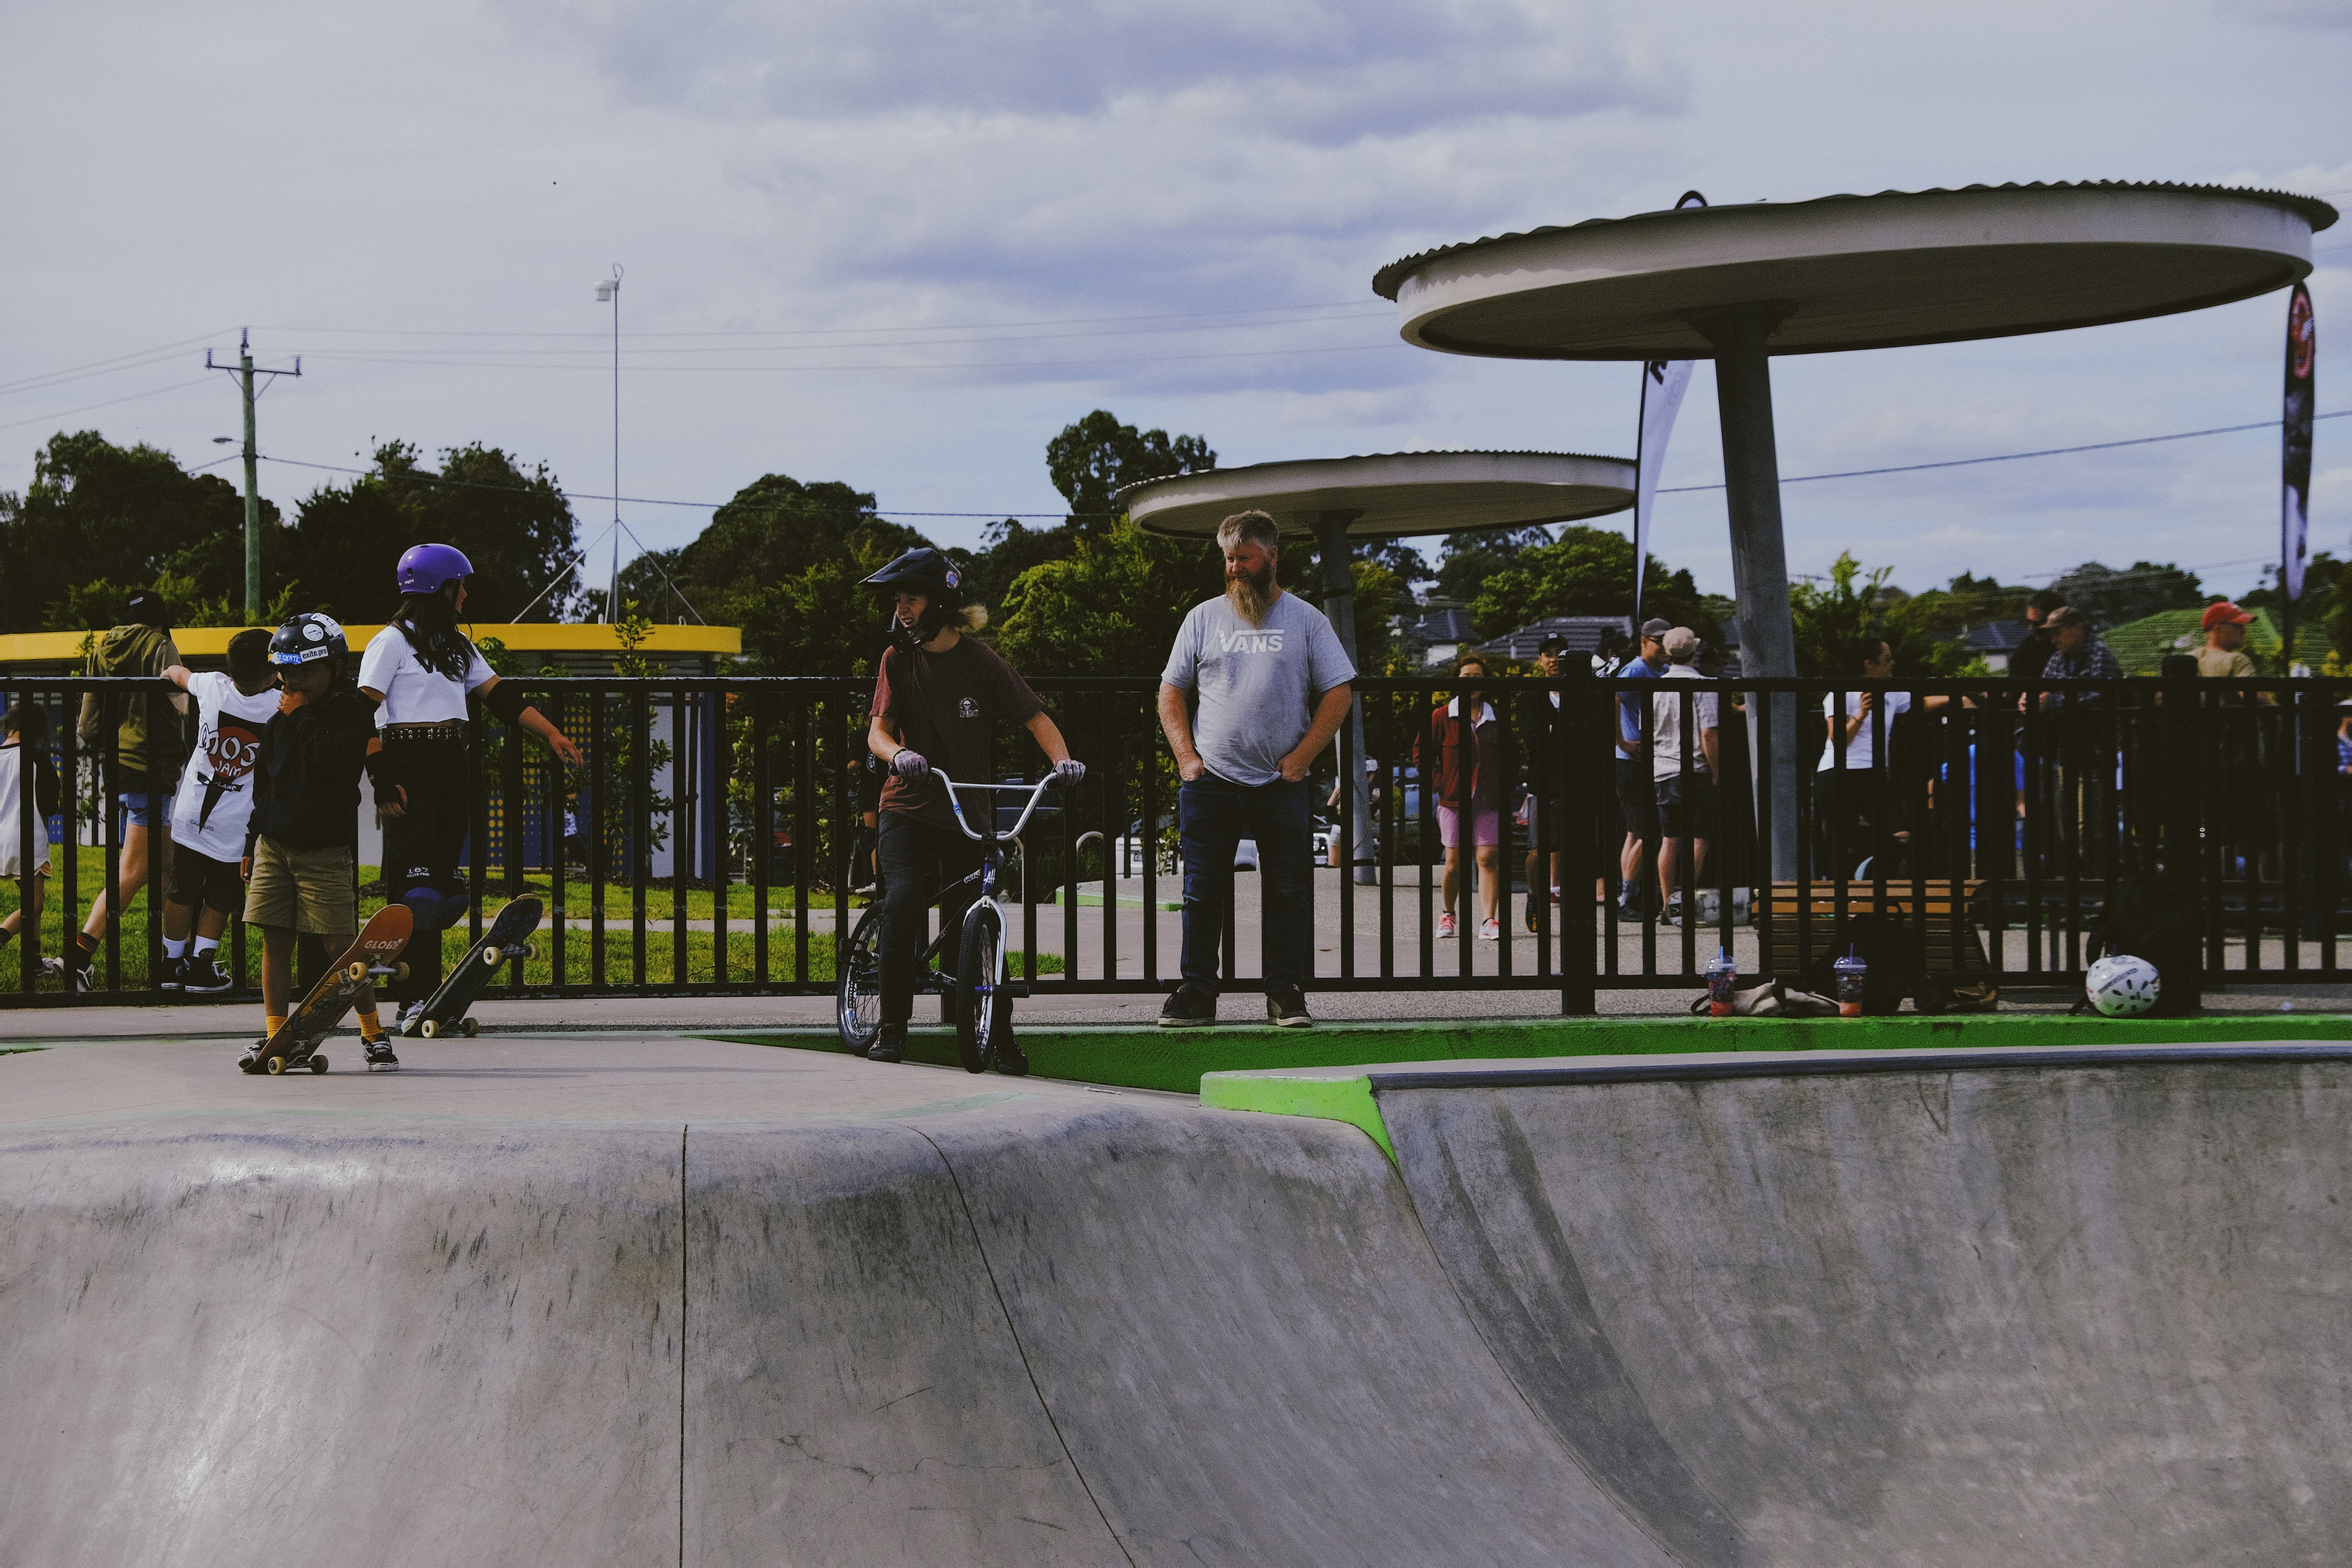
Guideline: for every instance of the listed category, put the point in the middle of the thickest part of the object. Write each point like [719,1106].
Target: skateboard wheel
[400,972]
[429,1029]
[530,953]
[358,972]
[468,1029]
[317,1064]
[276,1065]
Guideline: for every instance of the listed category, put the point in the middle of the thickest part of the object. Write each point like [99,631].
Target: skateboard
[369,958]
[445,1010]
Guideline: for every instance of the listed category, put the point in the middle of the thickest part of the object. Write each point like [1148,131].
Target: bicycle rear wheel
[983,1010]
[859,1010]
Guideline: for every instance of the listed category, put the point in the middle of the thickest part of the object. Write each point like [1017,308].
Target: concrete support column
[1333,552]
[1760,562]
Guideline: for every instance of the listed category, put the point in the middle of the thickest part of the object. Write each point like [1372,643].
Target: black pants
[917,861]
[422,845]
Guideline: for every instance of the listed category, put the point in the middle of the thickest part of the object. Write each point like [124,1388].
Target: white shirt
[1666,726]
[1858,752]
[412,693]
[215,793]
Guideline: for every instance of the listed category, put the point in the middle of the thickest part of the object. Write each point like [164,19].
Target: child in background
[210,811]
[22,727]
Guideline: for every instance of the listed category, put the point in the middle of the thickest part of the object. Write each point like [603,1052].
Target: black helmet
[924,572]
[308,636]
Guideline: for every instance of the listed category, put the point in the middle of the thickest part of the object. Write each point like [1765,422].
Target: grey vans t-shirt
[1257,685]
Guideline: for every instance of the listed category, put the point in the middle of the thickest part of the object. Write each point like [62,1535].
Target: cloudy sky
[901,245]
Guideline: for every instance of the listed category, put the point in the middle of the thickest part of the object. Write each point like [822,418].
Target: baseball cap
[146,609]
[1680,640]
[1550,644]
[1655,627]
[2221,611]
[2064,615]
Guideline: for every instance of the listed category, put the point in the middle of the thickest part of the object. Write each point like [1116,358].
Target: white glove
[1069,772]
[908,763]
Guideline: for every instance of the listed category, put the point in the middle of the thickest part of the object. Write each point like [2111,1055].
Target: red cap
[2215,614]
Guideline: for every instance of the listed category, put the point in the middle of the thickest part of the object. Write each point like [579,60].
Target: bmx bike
[983,991]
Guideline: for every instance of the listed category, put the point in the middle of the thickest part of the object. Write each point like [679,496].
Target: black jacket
[1540,728]
[306,788]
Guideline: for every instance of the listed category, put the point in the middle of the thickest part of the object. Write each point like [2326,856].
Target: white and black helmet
[308,636]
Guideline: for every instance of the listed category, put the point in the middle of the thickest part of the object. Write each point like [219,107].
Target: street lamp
[608,292]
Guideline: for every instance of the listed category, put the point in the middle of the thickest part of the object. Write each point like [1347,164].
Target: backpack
[1890,951]
[2155,917]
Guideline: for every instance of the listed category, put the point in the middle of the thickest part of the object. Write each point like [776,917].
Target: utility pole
[609,292]
[245,373]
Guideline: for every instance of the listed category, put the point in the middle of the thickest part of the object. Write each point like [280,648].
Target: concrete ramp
[926,1319]
[1971,1310]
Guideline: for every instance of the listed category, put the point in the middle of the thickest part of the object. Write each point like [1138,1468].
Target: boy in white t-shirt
[210,810]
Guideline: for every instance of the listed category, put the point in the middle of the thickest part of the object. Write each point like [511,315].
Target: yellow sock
[272,1022]
[369,1030]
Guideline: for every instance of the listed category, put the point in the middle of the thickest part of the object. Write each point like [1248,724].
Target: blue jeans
[1214,814]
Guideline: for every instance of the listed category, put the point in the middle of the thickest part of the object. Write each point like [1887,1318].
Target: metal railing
[718,841]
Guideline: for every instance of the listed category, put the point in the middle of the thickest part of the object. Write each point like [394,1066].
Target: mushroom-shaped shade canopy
[1390,495]
[1856,273]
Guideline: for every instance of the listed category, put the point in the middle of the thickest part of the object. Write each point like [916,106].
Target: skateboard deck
[445,1010]
[369,958]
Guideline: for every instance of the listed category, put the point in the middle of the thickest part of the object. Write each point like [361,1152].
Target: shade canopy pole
[1760,558]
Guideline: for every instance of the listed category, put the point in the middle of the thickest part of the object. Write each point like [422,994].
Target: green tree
[770,533]
[1829,620]
[1093,460]
[1470,560]
[100,520]
[515,527]
[2110,597]
[1584,572]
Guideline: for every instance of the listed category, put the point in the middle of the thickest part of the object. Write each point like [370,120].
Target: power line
[473,355]
[821,332]
[2013,457]
[133,397]
[131,361]
[949,365]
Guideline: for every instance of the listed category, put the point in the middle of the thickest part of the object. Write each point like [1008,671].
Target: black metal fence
[716,841]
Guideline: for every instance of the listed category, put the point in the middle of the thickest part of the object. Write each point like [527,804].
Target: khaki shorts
[302,889]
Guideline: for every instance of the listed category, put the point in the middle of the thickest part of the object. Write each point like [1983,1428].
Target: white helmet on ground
[2121,986]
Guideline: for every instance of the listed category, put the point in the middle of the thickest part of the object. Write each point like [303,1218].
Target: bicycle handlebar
[1037,792]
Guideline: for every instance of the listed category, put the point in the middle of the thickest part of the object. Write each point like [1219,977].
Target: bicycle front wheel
[859,1013]
[983,1010]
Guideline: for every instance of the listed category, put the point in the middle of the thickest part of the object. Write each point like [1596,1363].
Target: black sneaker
[172,976]
[1009,1057]
[378,1054]
[79,978]
[890,1045]
[251,1060]
[1286,1009]
[1188,1008]
[203,977]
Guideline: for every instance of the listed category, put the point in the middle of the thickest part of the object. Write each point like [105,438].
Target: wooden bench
[1952,944]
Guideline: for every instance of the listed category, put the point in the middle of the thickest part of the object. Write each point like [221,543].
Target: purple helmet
[427,568]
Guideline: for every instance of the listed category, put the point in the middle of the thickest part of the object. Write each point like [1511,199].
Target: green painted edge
[1348,1099]
[1142,1056]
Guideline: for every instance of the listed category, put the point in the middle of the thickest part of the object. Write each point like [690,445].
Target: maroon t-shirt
[946,706]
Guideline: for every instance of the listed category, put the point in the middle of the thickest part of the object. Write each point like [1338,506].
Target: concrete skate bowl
[781,1307]
[2054,1309]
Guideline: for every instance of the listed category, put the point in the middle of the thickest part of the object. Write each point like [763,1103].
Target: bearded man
[1255,688]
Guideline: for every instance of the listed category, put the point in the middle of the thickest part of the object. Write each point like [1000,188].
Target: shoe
[1531,916]
[409,1017]
[1674,915]
[1490,930]
[1286,1009]
[53,967]
[203,977]
[1009,1059]
[1446,925]
[1188,1007]
[79,978]
[169,978]
[251,1060]
[378,1054]
[890,1045]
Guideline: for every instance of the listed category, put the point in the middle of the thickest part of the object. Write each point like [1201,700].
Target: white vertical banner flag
[1662,385]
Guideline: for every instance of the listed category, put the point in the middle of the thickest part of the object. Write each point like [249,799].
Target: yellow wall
[212,642]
